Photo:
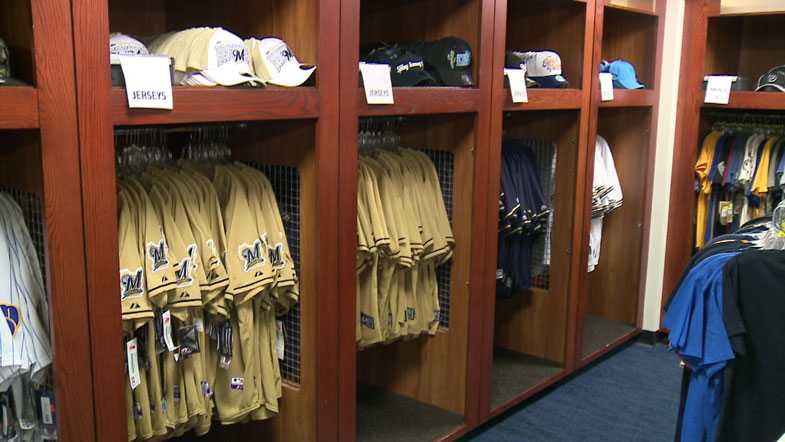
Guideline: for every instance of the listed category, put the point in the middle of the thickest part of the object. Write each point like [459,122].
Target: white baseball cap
[544,67]
[121,44]
[275,63]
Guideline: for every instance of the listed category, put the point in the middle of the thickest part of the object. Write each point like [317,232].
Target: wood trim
[632,98]
[543,99]
[270,103]
[18,107]
[646,7]
[423,100]
[91,30]
[61,184]
[752,101]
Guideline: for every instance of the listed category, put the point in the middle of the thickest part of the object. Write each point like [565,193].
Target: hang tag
[718,89]
[726,212]
[606,86]
[280,342]
[147,81]
[133,363]
[167,318]
[377,83]
[46,411]
[517,80]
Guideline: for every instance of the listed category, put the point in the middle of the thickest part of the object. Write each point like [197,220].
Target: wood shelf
[636,6]
[545,99]
[18,107]
[424,101]
[753,101]
[631,98]
[201,105]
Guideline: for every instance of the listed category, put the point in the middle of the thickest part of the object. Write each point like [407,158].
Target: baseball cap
[406,68]
[624,76]
[207,57]
[515,60]
[275,63]
[5,67]
[773,80]
[449,61]
[543,67]
[121,44]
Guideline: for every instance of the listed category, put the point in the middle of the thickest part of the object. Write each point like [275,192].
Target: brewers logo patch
[12,318]
[157,254]
[251,254]
[131,283]
[184,274]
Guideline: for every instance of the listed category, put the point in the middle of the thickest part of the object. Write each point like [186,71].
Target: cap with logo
[207,57]
[449,61]
[624,76]
[5,67]
[542,67]
[275,63]
[773,80]
[121,44]
[406,68]
[515,60]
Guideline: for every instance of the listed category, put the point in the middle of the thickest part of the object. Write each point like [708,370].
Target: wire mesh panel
[545,154]
[444,162]
[33,214]
[286,185]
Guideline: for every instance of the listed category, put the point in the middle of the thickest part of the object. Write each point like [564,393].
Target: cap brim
[293,75]
[228,77]
[413,78]
[11,82]
[455,77]
[551,81]
[628,84]
[770,87]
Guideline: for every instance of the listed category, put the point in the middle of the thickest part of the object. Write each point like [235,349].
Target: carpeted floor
[632,396]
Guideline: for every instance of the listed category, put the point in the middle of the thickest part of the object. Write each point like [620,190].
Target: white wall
[666,130]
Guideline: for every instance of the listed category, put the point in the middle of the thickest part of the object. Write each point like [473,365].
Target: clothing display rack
[61,134]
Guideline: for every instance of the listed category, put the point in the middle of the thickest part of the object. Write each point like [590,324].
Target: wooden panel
[632,37]
[550,24]
[16,28]
[391,22]
[627,131]
[423,100]
[295,21]
[639,6]
[631,98]
[536,323]
[20,161]
[723,46]
[417,368]
[543,99]
[753,101]
[18,108]
[200,105]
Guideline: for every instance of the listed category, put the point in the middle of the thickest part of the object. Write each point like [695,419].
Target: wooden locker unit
[730,37]
[436,373]
[39,167]
[610,306]
[293,127]
[532,333]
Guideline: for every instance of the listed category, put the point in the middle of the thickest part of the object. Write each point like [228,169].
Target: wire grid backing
[34,219]
[286,185]
[545,154]
[444,162]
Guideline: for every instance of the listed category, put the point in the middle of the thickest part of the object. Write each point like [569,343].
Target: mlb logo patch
[237,384]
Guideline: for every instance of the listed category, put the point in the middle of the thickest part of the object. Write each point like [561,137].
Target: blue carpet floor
[632,396]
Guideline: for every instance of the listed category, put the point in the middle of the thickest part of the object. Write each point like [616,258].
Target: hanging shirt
[702,167]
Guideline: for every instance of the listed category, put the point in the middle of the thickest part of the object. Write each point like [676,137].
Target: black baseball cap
[449,61]
[773,80]
[406,68]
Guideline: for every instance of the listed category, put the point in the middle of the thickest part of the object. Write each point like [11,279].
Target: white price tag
[147,81]
[133,363]
[606,86]
[718,89]
[377,83]
[517,80]
[280,343]
[167,320]
[46,410]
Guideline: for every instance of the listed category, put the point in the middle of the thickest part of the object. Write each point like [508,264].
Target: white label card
[377,83]
[147,81]
[606,86]
[133,363]
[167,320]
[280,342]
[718,89]
[517,80]
[46,410]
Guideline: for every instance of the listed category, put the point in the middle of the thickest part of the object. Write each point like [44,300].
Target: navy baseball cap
[773,80]
[406,68]
[5,67]
[624,76]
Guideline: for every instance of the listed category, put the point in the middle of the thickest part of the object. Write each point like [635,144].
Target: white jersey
[24,341]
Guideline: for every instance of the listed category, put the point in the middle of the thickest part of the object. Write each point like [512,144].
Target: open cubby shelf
[423,101]
[18,107]
[518,373]
[647,7]
[601,334]
[753,101]
[745,45]
[631,98]
[545,99]
[632,37]
[203,105]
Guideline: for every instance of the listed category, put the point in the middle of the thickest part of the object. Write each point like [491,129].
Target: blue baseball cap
[623,72]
